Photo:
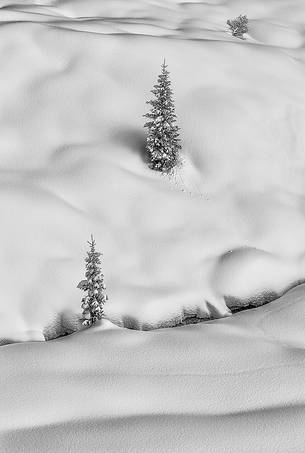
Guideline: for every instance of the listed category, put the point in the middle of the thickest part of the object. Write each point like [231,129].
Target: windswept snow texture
[228,228]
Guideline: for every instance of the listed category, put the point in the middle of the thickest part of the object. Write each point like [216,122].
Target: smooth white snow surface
[230,385]
[73,85]
[228,228]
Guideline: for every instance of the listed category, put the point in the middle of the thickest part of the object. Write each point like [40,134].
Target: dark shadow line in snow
[29,9]
[64,323]
[66,20]
[194,316]
[265,297]
[87,423]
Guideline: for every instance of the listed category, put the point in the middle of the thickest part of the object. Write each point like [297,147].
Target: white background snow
[75,77]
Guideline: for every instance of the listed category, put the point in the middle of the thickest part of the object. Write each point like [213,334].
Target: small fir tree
[92,303]
[238,26]
[163,142]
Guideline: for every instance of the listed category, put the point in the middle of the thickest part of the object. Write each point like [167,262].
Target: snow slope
[229,227]
[230,385]
[227,230]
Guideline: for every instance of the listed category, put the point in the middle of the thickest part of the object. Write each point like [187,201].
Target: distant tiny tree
[92,303]
[163,142]
[238,26]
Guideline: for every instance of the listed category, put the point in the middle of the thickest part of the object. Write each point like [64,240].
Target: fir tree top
[93,256]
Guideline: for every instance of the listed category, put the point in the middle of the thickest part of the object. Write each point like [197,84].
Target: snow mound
[250,274]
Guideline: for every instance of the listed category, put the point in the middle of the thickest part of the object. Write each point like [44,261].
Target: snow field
[71,163]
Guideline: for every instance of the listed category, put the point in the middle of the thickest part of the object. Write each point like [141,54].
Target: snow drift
[73,90]
[231,385]
[226,231]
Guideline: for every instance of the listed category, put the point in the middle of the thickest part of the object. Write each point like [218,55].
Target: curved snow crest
[242,278]
[22,336]
[62,325]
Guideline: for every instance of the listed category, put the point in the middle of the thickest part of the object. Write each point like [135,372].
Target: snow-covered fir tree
[92,303]
[238,26]
[163,142]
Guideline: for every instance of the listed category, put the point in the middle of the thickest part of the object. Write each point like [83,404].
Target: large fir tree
[92,303]
[163,142]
